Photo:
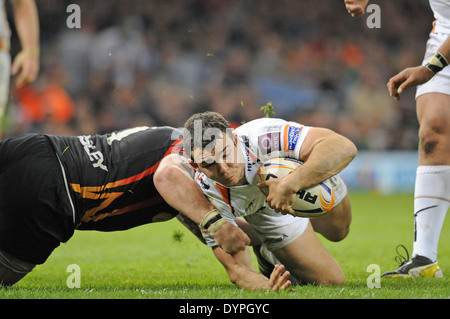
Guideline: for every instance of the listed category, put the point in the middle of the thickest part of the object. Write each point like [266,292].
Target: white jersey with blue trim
[258,140]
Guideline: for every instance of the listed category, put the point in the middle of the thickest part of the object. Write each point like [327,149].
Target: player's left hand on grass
[280,196]
[407,78]
[278,279]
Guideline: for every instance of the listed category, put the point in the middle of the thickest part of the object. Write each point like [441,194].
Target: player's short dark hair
[209,122]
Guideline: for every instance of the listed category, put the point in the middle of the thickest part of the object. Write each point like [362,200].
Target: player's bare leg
[433,113]
[335,225]
[432,188]
[308,261]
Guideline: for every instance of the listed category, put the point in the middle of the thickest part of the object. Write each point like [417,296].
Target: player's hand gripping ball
[311,202]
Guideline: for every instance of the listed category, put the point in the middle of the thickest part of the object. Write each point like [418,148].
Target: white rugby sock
[431,202]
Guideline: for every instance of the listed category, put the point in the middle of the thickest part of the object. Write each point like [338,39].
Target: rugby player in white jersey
[432,187]
[227,163]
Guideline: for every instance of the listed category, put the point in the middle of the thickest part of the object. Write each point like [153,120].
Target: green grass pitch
[165,261]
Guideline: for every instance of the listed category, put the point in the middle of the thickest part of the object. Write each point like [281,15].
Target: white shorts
[276,230]
[440,83]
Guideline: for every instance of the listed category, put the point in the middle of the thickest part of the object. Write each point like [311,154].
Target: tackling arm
[174,181]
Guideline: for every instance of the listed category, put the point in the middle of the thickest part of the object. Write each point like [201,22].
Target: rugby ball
[311,202]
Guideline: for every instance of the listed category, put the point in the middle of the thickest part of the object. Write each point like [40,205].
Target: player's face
[222,163]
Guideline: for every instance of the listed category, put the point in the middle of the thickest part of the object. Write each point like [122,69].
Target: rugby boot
[417,266]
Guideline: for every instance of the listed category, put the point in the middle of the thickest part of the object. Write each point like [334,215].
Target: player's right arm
[175,183]
[324,153]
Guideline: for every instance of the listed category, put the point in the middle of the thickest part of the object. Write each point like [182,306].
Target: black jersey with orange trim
[110,176]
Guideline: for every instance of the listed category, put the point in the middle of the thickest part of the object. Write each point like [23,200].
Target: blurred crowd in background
[155,62]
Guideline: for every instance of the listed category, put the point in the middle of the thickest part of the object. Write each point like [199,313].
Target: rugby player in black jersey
[52,185]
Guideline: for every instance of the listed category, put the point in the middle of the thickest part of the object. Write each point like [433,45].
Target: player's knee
[336,280]
[336,230]
[339,234]
[428,141]
[430,133]
[334,277]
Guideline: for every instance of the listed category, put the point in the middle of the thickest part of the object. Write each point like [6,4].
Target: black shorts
[35,211]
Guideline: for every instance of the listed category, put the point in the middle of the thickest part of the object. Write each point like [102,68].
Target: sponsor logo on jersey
[202,183]
[269,142]
[95,156]
[291,137]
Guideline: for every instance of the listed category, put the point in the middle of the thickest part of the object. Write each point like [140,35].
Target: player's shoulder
[258,129]
[268,135]
[261,123]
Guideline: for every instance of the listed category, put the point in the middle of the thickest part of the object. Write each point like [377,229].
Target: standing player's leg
[432,188]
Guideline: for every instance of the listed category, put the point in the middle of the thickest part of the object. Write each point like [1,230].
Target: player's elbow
[350,149]
[342,147]
[165,177]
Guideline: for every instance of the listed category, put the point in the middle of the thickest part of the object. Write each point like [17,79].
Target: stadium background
[155,62]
